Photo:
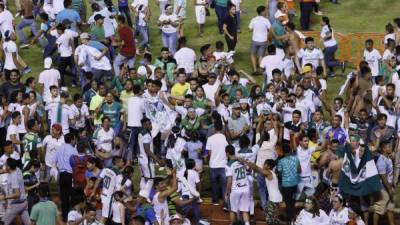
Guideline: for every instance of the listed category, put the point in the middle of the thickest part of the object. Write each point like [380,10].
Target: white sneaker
[24,46]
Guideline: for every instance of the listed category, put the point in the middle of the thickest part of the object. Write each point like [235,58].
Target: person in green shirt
[112,110]
[235,87]
[126,94]
[168,64]
[96,102]
[97,30]
[44,212]
[32,143]
[136,78]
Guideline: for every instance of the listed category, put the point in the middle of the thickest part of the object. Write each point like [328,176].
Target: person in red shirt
[127,46]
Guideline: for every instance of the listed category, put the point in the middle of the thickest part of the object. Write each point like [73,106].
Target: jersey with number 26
[238,172]
[109,177]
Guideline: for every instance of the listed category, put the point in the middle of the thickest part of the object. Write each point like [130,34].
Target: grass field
[349,16]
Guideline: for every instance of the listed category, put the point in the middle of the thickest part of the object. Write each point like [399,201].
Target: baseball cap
[47,62]
[191,109]
[175,217]
[84,36]
[307,69]
[98,16]
[57,126]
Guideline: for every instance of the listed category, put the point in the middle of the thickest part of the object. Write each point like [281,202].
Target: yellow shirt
[178,90]
[124,98]
[96,101]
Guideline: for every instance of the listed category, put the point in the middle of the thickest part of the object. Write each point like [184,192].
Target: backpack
[78,172]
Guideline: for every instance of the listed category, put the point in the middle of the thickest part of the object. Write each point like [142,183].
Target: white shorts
[105,210]
[147,169]
[200,14]
[240,201]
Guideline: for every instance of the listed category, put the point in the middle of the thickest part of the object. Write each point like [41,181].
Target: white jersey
[144,137]
[249,154]
[237,171]
[109,177]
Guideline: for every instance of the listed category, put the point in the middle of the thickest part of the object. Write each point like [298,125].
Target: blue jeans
[133,140]
[273,7]
[144,33]
[238,20]
[190,208]
[262,190]
[306,9]
[119,60]
[221,14]
[169,41]
[329,57]
[25,23]
[218,181]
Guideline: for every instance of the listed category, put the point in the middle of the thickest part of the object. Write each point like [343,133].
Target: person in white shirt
[80,112]
[6,20]
[60,113]
[372,56]
[65,46]
[272,183]
[200,10]
[237,188]
[311,214]
[51,143]
[339,214]
[260,26]
[304,153]
[270,62]
[48,77]
[216,147]
[100,65]
[11,60]
[211,87]
[169,22]
[185,57]
[133,116]
[12,131]
[180,12]
[310,54]
[104,138]
[330,44]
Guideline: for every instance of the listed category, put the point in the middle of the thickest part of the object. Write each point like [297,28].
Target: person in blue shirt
[70,14]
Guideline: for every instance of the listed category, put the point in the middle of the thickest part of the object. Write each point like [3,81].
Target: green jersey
[31,142]
[113,112]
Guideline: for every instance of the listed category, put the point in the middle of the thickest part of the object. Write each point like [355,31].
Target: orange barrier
[351,46]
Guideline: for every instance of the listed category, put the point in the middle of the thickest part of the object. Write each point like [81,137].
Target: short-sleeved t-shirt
[385,167]
[9,48]
[128,49]
[70,15]
[231,24]
[73,216]
[98,33]
[16,181]
[113,112]
[238,172]
[44,213]
[310,56]
[260,26]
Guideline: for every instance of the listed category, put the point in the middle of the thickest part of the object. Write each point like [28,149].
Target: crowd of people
[107,104]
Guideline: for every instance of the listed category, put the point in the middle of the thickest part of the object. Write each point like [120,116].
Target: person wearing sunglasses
[311,214]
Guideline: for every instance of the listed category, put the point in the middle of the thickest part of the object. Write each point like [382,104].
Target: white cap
[47,63]
[175,217]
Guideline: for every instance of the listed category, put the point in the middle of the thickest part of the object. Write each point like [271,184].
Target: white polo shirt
[135,111]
